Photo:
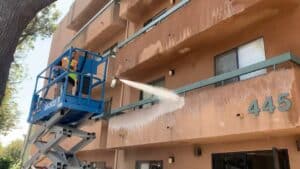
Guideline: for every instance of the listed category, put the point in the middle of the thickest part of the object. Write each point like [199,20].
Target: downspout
[116,159]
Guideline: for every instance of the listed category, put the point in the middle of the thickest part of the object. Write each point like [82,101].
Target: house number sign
[283,104]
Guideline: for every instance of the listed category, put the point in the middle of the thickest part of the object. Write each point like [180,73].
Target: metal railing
[143,30]
[181,4]
[100,12]
[287,57]
[40,94]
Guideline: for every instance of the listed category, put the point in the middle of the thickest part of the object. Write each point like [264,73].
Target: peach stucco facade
[216,119]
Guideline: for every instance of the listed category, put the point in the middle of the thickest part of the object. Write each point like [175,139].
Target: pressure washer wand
[114,82]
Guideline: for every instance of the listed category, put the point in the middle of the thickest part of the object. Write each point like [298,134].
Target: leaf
[43,25]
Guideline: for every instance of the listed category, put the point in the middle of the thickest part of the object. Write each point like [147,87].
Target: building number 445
[283,104]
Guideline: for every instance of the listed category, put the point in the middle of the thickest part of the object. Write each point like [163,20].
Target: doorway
[267,159]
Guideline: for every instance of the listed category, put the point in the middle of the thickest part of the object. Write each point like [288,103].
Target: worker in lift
[72,77]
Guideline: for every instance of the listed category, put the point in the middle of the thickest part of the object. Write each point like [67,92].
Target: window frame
[236,48]
[139,162]
[108,102]
[157,15]
[152,84]
[103,163]
[110,48]
[237,66]
[244,153]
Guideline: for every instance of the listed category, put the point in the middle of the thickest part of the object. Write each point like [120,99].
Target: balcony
[134,10]
[218,113]
[82,11]
[105,26]
[209,22]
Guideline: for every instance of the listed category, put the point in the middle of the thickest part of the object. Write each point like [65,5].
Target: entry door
[266,159]
[281,160]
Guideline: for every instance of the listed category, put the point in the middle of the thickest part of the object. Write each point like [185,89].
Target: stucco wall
[82,11]
[208,28]
[199,25]
[211,113]
[185,159]
[198,64]
[60,38]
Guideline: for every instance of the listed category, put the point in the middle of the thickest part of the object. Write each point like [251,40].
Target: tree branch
[15,15]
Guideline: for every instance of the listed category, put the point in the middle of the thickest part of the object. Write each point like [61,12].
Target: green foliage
[5,163]
[16,165]
[8,110]
[1,150]
[13,150]
[10,155]
[43,25]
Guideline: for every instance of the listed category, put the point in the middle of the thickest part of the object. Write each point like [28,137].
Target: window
[143,95]
[172,1]
[226,62]
[270,159]
[154,18]
[249,54]
[107,106]
[149,165]
[98,165]
[111,48]
[240,57]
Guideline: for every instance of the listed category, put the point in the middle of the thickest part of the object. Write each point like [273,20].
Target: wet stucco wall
[82,11]
[199,25]
[209,116]
[98,156]
[212,113]
[198,64]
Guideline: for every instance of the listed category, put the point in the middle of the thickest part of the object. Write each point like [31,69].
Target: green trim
[225,76]
[213,80]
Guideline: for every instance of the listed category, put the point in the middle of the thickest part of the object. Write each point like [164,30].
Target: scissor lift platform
[77,108]
[60,117]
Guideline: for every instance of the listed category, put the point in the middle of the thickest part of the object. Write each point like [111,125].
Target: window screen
[224,63]
[240,57]
[249,54]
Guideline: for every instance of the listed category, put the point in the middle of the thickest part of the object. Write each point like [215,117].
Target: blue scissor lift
[61,116]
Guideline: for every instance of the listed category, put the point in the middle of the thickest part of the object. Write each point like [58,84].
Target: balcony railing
[261,107]
[134,10]
[105,24]
[83,10]
[169,39]
[287,57]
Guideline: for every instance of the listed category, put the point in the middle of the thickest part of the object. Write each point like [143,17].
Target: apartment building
[233,61]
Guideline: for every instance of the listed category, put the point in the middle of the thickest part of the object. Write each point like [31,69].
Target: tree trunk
[15,15]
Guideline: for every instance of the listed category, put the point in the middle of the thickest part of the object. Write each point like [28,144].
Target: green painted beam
[225,76]
[219,78]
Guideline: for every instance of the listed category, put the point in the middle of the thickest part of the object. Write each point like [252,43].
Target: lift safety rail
[61,116]
[59,107]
